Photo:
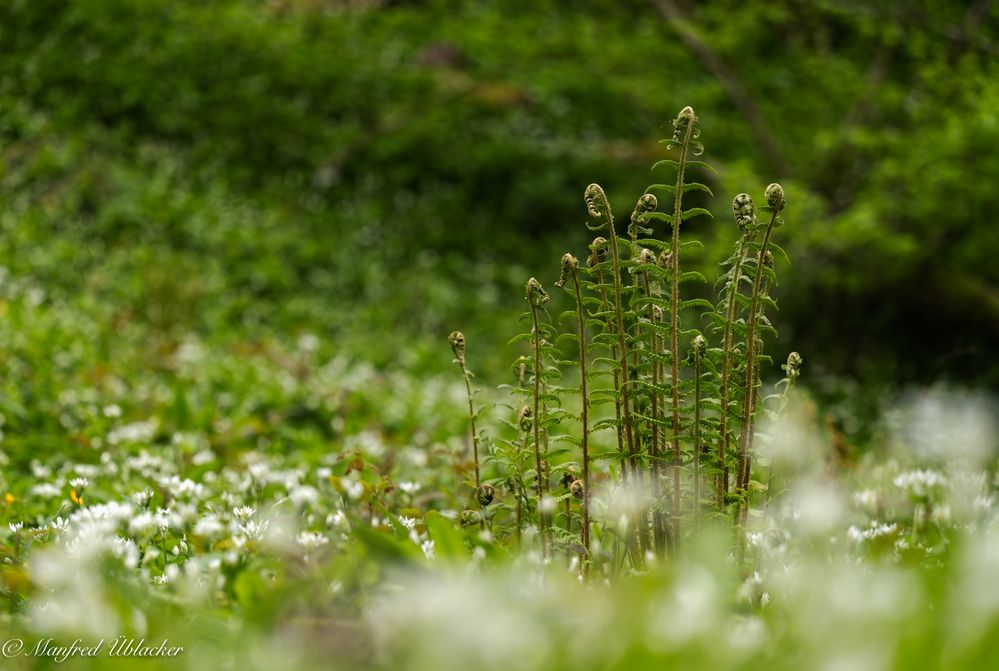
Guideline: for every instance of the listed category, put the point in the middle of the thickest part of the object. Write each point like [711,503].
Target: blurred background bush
[380,173]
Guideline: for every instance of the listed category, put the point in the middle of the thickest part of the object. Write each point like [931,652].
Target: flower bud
[775,196]
[536,293]
[525,418]
[457,341]
[745,212]
[686,121]
[700,346]
[685,118]
[598,251]
[569,265]
[486,494]
[596,201]
[793,366]
[646,204]
[576,489]
[666,260]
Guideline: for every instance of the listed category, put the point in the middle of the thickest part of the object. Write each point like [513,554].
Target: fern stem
[751,431]
[791,371]
[605,307]
[731,309]
[520,522]
[622,350]
[521,494]
[533,287]
[775,198]
[585,414]
[457,340]
[674,328]
[699,348]
[568,512]
[598,206]
[475,448]
[621,344]
[641,524]
[654,318]
[745,466]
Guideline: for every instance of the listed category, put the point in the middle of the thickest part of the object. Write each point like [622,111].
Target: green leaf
[692,212]
[666,162]
[701,164]
[384,547]
[449,543]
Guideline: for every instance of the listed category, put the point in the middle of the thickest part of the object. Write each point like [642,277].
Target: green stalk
[536,295]
[655,316]
[520,523]
[742,206]
[647,203]
[689,120]
[768,262]
[597,206]
[570,266]
[457,340]
[523,420]
[791,371]
[585,413]
[598,246]
[746,467]
[700,347]
[775,198]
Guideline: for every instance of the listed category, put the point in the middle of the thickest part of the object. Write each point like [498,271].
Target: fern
[685,134]
[745,216]
[570,269]
[537,296]
[483,493]
[698,349]
[664,422]
[599,208]
[775,201]
[782,390]
[605,320]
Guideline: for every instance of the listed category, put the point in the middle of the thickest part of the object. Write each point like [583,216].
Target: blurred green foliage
[382,173]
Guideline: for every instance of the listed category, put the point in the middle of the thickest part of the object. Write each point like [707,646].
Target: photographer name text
[58,651]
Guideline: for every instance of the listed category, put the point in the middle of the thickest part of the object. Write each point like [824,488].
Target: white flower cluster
[921,483]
